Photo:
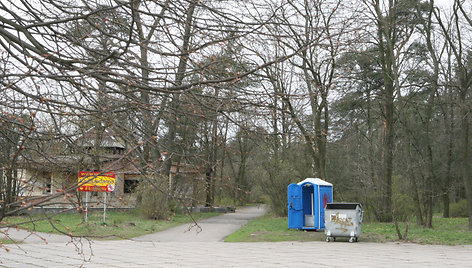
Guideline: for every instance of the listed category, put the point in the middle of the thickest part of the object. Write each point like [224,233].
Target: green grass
[446,231]
[7,241]
[119,225]
[268,228]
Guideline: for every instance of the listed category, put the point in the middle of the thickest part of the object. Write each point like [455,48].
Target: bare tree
[124,66]
[460,25]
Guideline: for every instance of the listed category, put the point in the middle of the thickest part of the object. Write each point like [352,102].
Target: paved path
[189,249]
[127,254]
[26,237]
[208,230]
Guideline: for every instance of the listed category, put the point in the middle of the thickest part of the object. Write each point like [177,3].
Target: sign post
[86,206]
[104,207]
[96,182]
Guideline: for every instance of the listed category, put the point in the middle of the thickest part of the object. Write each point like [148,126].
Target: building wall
[37,183]
[34,182]
[41,183]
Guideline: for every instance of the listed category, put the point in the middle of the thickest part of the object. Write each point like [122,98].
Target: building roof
[108,139]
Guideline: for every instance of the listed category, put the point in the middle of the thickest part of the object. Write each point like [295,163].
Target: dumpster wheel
[328,238]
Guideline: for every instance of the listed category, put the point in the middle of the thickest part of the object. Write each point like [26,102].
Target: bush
[402,206]
[152,199]
[459,209]
[278,175]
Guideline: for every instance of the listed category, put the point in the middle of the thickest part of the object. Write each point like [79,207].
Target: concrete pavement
[181,248]
[127,254]
[27,237]
[208,230]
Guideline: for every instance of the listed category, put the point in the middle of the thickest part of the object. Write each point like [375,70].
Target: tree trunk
[2,191]
[210,174]
[466,176]
[8,191]
[150,125]
[179,77]
[242,182]
[449,125]
[208,188]
[430,177]
[387,58]
[430,173]
[387,150]
[416,195]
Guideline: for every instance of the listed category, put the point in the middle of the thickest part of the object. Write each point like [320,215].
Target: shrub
[402,206]
[278,175]
[459,209]
[152,199]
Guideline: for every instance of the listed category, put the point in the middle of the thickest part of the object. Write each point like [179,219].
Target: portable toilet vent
[306,202]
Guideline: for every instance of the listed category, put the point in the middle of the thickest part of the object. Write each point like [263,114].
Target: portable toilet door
[326,196]
[295,206]
[309,206]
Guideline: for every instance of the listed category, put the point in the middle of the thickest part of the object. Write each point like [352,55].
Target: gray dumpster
[343,220]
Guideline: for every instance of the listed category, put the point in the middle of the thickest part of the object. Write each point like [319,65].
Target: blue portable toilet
[306,202]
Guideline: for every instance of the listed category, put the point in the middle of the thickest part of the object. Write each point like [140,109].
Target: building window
[130,186]
[47,183]
[47,188]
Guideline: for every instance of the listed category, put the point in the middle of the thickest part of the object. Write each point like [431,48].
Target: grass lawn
[268,228]
[446,231]
[6,241]
[119,225]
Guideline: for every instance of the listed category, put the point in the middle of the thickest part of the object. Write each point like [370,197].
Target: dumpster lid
[343,205]
[315,181]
